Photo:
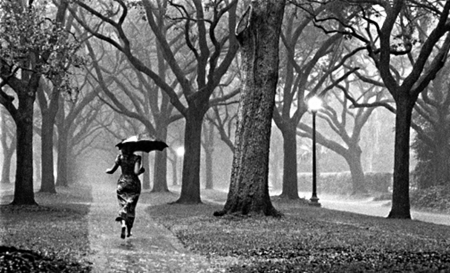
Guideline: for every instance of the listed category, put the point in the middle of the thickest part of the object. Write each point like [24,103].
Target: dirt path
[152,248]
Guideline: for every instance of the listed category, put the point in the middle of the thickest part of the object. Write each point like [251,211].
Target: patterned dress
[128,188]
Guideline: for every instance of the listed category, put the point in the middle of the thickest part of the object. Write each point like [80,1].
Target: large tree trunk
[48,178]
[160,172]
[8,150]
[258,32]
[209,184]
[175,171]
[290,184]
[356,171]
[146,177]
[62,165]
[7,158]
[37,167]
[49,109]
[23,190]
[400,196]
[190,185]
[160,165]
[209,150]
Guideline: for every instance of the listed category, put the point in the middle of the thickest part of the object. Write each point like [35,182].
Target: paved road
[152,248]
[375,208]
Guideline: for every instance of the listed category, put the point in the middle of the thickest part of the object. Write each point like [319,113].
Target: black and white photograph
[228,136]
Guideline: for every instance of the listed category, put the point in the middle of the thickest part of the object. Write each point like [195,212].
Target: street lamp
[180,151]
[314,105]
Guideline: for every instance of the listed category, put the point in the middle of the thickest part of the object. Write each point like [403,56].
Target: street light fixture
[180,151]
[314,105]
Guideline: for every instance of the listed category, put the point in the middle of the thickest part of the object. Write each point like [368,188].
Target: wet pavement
[364,206]
[152,248]
[367,206]
[381,209]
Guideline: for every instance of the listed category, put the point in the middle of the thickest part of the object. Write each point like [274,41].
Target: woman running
[128,187]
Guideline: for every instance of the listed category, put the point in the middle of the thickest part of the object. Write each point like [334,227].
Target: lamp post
[314,105]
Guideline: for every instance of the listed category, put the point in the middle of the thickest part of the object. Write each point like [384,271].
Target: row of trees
[156,62]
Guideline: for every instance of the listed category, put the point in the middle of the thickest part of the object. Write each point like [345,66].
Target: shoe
[129,234]
[122,233]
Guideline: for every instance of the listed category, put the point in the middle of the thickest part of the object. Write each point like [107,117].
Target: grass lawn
[54,237]
[51,237]
[306,239]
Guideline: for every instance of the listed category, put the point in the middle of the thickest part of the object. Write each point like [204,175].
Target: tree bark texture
[23,188]
[160,172]
[441,157]
[290,181]
[258,33]
[62,164]
[6,168]
[400,195]
[175,171]
[356,170]
[8,151]
[160,165]
[209,150]
[48,178]
[145,181]
[209,183]
[190,185]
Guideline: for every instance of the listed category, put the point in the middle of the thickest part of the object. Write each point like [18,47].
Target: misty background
[110,97]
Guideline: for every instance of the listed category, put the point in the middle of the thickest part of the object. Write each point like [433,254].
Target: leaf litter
[308,239]
[52,237]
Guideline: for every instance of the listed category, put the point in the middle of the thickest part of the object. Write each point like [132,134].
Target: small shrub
[378,182]
[341,182]
[435,198]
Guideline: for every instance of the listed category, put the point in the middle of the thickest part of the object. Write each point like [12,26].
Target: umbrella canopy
[142,143]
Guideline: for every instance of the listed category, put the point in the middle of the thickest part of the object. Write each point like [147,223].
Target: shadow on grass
[50,237]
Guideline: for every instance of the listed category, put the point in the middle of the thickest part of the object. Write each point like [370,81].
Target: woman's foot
[129,231]
[122,233]
[124,228]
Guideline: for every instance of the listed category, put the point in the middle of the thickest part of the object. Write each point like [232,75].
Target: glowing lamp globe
[315,104]
[180,151]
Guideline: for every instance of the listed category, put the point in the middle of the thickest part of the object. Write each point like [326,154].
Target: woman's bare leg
[130,225]
[124,227]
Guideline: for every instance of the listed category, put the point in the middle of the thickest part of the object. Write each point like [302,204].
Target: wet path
[364,206]
[381,209]
[152,248]
[374,208]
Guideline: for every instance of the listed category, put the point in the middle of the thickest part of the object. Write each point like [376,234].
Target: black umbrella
[142,143]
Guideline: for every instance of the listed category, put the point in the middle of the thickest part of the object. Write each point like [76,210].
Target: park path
[379,209]
[364,206]
[152,248]
[367,206]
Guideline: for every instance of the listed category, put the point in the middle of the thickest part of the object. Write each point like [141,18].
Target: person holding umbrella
[129,185]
